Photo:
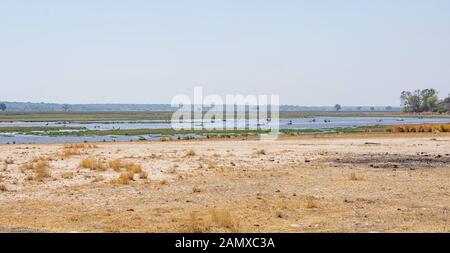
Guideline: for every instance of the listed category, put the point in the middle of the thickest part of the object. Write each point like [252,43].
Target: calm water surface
[294,123]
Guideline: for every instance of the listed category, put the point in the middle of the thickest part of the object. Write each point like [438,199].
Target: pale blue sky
[308,52]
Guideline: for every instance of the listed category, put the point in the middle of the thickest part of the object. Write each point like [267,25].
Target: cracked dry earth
[356,183]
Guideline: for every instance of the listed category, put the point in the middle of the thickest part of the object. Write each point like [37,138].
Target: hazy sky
[308,52]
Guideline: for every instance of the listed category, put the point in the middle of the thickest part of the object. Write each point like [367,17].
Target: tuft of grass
[196,224]
[26,167]
[74,145]
[69,152]
[93,164]
[124,178]
[311,202]
[224,219]
[353,176]
[163,182]
[200,223]
[79,145]
[42,170]
[133,168]
[190,152]
[115,164]
[196,189]
[261,152]
[74,149]
[3,188]
[42,158]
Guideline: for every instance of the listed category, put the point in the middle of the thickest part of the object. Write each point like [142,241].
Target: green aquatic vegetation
[39,130]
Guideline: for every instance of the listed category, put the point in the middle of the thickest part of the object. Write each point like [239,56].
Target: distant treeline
[54,107]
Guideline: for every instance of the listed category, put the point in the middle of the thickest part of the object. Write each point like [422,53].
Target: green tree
[444,105]
[338,107]
[2,107]
[411,101]
[429,99]
[420,100]
[431,103]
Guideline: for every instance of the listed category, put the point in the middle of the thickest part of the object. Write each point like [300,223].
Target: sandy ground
[351,183]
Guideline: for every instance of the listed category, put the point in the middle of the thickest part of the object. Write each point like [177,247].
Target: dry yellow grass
[225,220]
[124,178]
[420,128]
[217,220]
[190,152]
[74,149]
[115,164]
[69,152]
[133,168]
[196,224]
[3,188]
[261,152]
[353,176]
[196,189]
[43,158]
[79,145]
[26,167]
[93,164]
[311,202]
[41,169]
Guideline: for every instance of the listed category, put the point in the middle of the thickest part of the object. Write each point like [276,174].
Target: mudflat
[349,183]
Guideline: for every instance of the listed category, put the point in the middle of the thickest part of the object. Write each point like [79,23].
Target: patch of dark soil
[386,160]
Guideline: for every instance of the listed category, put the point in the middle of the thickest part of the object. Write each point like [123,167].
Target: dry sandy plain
[336,183]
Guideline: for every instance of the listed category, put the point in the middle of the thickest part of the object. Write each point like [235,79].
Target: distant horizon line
[168,104]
